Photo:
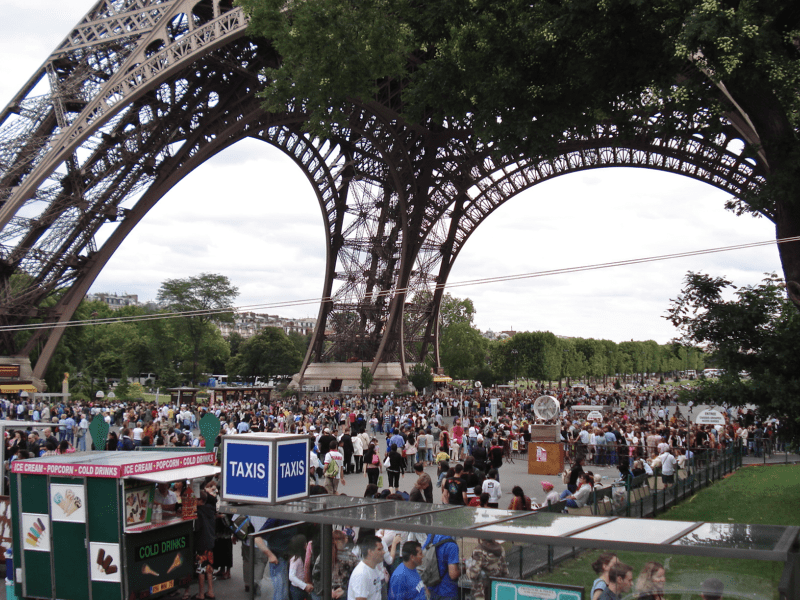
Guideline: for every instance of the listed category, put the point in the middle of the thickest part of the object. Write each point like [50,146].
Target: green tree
[269,354]
[301,342]
[420,376]
[538,354]
[123,388]
[366,379]
[456,311]
[462,350]
[235,341]
[209,295]
[522,77]
[757,332]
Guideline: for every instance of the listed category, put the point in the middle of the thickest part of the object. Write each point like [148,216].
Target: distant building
[114,301]
[249,324]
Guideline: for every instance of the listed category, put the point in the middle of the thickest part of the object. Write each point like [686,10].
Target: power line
[385,293]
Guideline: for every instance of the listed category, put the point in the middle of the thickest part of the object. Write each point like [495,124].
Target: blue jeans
[82,443]
[298,594]
[435,596]
[571,503]
[279,573]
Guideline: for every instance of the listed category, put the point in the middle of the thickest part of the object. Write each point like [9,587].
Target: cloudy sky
[251,215]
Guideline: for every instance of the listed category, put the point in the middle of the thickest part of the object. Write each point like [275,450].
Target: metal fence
[643,496]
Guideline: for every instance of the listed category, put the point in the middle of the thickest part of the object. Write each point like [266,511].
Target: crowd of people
[395,437]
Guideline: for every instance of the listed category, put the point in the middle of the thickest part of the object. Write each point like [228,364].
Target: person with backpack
[125,442]
[441,567]
[405,583]
[373,463]
[332,469]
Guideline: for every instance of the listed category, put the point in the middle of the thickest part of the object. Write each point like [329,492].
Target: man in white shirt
[165,497]
[366,580]
[332,482]
[668,463]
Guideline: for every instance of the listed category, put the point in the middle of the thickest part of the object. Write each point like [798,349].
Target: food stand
[84,525]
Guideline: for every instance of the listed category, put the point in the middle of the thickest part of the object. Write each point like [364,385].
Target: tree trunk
[787,224]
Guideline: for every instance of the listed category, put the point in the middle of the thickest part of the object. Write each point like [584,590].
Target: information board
[710,417]
[511,589]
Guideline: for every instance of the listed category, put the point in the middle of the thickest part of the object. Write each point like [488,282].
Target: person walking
[366,581]
[333,468]
[405,583]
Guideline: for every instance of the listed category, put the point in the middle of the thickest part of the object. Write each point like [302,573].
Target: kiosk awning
[176,474]
[442,379]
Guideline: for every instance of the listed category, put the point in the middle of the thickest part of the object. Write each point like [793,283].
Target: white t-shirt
[168,498]
[492,487]
[337,456]
[667,464]
[365,582]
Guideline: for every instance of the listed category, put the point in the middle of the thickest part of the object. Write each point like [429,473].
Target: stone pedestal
[345,378]
[25,371]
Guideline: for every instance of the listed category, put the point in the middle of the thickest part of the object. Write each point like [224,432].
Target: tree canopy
[522,77]
[754,338]
[207,295]
[270,353]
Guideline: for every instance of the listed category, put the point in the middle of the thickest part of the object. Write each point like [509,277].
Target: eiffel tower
[141,92]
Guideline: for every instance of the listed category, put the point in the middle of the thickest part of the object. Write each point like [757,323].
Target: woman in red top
[458,435]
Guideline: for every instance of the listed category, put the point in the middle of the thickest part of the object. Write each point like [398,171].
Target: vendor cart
[85,526]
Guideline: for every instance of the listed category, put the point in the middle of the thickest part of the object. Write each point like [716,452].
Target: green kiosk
[85,525]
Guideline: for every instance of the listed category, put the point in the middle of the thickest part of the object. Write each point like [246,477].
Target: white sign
[595,415]
[68,503]
[36,532]
[710,417]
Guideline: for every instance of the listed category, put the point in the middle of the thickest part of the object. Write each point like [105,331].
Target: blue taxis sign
[264,468]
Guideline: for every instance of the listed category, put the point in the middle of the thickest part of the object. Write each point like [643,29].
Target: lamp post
[94,343]
[515,352]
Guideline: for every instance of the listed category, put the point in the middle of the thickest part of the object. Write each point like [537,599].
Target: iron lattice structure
[142,92]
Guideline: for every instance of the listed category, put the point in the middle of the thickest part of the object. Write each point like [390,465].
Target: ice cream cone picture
[146,570]
[34,529]
[175,563]
[69,501]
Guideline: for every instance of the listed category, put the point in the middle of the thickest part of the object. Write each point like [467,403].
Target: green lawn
[755,495]
[763,496]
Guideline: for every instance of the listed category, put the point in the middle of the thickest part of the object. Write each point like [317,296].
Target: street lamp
[515,352]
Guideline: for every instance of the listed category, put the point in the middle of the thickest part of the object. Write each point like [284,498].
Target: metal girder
[144,91]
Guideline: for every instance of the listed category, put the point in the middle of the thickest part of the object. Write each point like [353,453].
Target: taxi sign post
[264,468]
